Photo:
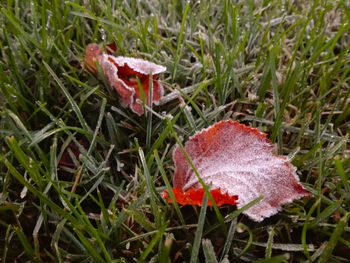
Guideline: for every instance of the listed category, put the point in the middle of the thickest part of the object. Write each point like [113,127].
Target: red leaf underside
[195,197]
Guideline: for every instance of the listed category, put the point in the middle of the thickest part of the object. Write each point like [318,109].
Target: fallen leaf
[123,73]
[238,160]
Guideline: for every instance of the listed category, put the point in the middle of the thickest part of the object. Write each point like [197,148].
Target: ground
[81,176]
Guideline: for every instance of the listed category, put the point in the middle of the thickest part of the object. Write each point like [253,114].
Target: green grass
[280,66]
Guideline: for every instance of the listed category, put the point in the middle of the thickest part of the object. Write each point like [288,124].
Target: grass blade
[229,239]
[69,97]
[153,242]
[209,252]
[170,191]
[199,231]
[179,42]
[149,183]
[334,238]
[26,245]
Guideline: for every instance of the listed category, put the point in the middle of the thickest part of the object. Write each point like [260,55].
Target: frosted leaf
[238,160]
[122,74]
[140,65]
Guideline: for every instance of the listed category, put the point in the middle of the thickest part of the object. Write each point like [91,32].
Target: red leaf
[92,53]
[195,197]
[238,160]
[122,74]
[111,48]
[66,160]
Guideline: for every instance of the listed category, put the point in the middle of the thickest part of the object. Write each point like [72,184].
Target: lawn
[81,176]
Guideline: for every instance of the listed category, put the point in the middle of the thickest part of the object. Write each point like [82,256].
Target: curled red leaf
[122,74]
[238,160]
